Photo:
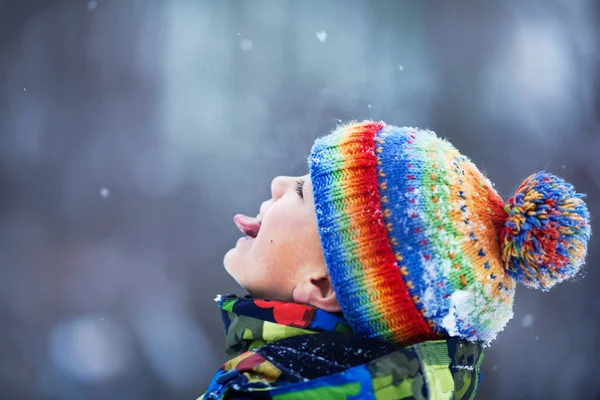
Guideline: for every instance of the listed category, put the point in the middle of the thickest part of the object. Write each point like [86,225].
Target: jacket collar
[275,330]
[250,323]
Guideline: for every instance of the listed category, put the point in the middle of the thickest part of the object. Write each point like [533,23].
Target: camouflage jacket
[295,351]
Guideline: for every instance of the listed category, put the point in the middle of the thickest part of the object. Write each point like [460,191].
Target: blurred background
[131,131]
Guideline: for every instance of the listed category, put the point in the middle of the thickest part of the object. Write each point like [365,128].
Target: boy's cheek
[264,276]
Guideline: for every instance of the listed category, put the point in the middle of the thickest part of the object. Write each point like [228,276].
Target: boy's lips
[248,225]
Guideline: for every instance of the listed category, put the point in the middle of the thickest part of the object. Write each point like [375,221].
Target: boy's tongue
[248,225]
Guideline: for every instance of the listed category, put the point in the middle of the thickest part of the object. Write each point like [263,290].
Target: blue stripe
[396,155]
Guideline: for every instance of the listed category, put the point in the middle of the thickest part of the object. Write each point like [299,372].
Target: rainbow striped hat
[418,243]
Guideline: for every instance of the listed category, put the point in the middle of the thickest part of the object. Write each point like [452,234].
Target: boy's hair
[418,243]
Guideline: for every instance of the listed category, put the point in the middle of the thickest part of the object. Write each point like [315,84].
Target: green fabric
[247,333]
[385,388]
[228,305]
[435,362]
[250,323]
[336,392]
[466,379]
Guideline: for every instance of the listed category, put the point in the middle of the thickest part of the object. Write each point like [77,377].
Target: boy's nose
[280,185]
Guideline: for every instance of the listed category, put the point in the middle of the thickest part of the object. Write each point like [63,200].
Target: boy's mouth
[248,225]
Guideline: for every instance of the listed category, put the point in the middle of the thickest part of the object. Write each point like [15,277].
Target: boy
[393,264]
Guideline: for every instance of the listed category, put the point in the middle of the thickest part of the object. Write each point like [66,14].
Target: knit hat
[419,245]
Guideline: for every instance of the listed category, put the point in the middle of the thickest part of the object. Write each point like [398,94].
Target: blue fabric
[354,375]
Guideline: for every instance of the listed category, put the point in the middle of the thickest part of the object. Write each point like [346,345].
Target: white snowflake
[322,36]
[104,192]
[527,320]
[246,44]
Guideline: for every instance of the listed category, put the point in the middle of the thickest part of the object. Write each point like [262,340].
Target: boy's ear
[317,291]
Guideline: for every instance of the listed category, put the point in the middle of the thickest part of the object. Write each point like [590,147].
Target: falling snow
[90,350]
[322,36]
[246,44]
[85,346]
[527,320]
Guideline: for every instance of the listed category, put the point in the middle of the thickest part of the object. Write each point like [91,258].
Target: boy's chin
[229,260]
[236,254]
[233,263]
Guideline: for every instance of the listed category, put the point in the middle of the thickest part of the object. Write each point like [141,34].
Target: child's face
[287,248]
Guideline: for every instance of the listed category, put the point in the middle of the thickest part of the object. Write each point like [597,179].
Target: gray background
[132,132]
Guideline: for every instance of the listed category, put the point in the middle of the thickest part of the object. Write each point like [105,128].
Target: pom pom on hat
[544,239]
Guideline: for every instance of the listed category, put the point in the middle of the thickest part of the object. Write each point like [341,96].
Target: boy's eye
[299,185]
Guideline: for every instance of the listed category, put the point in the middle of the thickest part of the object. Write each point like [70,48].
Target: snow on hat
[419,245]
